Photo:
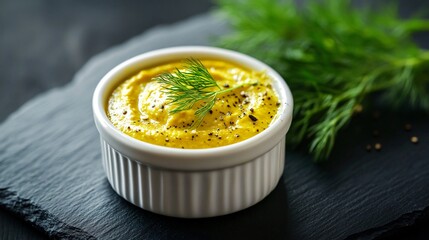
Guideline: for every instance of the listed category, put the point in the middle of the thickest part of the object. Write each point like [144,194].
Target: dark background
[44,42]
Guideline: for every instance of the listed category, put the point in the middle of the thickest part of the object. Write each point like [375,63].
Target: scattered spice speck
[368,148]
[377,146]
[414,139]
[358,108]
[408,127]
[253,118]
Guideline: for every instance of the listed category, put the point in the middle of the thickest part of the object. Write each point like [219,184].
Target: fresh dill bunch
[332,56]
[193,86]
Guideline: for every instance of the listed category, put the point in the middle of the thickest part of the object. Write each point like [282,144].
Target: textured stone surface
[51,172]
[43,43]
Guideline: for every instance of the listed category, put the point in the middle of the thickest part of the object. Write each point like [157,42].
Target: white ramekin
[192,183]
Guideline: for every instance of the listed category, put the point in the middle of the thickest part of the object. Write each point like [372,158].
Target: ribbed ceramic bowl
[192,183]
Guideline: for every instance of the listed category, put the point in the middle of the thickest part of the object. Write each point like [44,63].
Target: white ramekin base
[194,194]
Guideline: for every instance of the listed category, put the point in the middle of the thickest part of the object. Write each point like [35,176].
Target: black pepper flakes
[226,85]
[124,112]
[253,118]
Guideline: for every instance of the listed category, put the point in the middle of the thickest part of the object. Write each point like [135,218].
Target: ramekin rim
[278,127]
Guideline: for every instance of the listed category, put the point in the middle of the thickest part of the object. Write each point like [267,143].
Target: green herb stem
[191,86]
[333,56]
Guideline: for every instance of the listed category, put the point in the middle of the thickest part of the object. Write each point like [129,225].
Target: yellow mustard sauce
[139,108]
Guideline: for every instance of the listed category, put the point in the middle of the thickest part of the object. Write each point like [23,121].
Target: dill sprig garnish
[333,56]
[193,86]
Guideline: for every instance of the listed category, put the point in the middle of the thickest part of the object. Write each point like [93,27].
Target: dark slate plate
[51,173]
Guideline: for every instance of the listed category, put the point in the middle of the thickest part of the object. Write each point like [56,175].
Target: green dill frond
[190,87]
[332,56]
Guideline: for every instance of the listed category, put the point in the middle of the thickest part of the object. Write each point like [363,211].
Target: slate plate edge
[10,200]
[39,218]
